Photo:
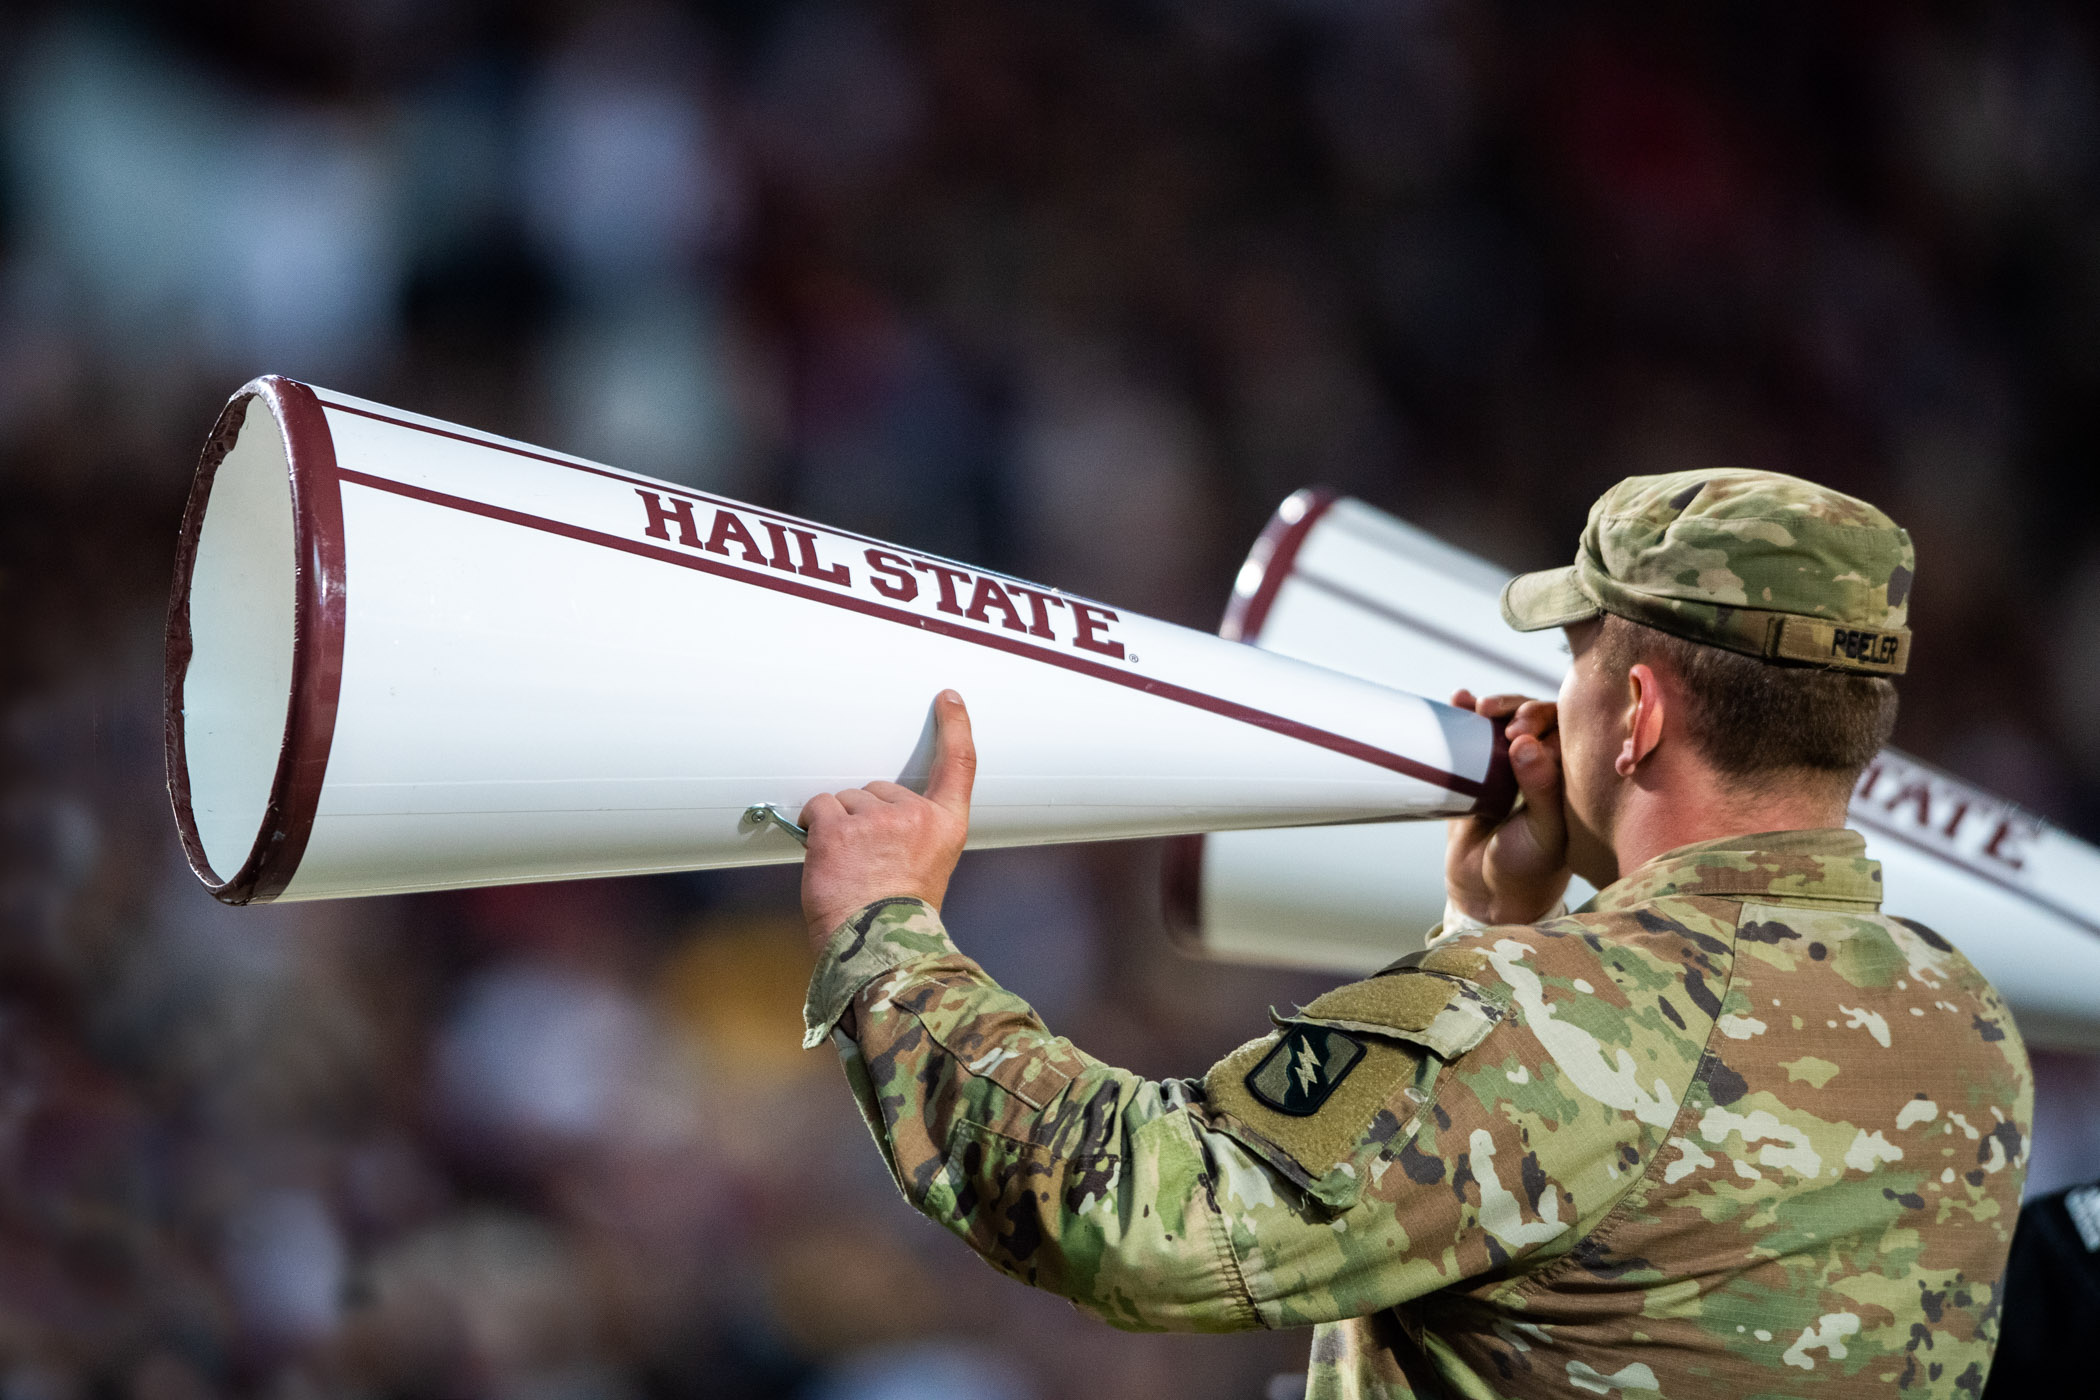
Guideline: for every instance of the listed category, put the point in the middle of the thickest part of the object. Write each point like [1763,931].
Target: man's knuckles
[913,820]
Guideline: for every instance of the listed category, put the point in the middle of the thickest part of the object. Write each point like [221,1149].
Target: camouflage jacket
[1727,1130]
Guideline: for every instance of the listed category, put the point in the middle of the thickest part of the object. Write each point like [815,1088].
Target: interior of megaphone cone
[230,697]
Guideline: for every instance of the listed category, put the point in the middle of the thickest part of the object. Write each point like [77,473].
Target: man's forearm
[1061,1171]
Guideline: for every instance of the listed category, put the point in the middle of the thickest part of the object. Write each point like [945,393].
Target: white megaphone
[404,655]
[1338,583]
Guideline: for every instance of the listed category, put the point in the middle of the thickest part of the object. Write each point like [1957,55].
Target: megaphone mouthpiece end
[1498,790]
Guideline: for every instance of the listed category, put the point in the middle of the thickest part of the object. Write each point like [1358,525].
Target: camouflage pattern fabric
[1760,563]
[1728,1130]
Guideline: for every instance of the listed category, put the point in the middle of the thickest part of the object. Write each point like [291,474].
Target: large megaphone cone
[404,655]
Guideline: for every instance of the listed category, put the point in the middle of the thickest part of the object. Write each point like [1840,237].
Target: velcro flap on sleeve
[1344,1076]
[1438,1012]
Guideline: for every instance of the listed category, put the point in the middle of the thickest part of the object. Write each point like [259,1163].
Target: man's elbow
[1183,1293]
[1136,1276]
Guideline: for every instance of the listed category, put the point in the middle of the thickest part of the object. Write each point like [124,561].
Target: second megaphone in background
[405,655]
[1339,583]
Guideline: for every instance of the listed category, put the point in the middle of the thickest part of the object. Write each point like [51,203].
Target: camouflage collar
[1827,866]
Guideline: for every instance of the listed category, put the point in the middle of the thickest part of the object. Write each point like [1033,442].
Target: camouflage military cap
[1768,565]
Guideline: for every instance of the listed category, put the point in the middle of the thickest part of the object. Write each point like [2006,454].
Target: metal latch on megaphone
[761,814]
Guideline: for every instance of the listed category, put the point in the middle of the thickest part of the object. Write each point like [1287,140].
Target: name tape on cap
[1876,651]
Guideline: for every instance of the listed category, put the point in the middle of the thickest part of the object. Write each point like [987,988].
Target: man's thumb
[954,755]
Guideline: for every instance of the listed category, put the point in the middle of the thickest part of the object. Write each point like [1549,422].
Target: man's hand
[884,840]
[1516,872]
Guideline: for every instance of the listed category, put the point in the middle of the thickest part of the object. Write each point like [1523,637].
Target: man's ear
[1644,719]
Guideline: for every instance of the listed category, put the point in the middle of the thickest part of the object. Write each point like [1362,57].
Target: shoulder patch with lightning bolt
[1346,1078]
[1306,1067]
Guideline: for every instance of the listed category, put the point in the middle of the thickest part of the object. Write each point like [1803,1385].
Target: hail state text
[895,576]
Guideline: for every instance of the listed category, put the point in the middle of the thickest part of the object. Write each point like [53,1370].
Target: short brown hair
[1758,720]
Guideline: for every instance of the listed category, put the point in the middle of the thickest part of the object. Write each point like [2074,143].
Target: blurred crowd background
[1076,290]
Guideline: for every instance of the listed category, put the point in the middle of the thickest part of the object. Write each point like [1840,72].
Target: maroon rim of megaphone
[1275,552]
[317,640]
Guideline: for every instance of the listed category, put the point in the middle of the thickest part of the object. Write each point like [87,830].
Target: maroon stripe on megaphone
[1483,792]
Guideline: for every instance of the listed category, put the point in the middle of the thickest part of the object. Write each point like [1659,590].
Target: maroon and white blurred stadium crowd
[1077,290]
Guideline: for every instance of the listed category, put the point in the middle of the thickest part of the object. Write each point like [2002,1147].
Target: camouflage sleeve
[1311,1177]
[1386,1105]
[1078,1178]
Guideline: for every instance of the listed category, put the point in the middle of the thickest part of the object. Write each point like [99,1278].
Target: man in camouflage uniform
[1728,1130]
